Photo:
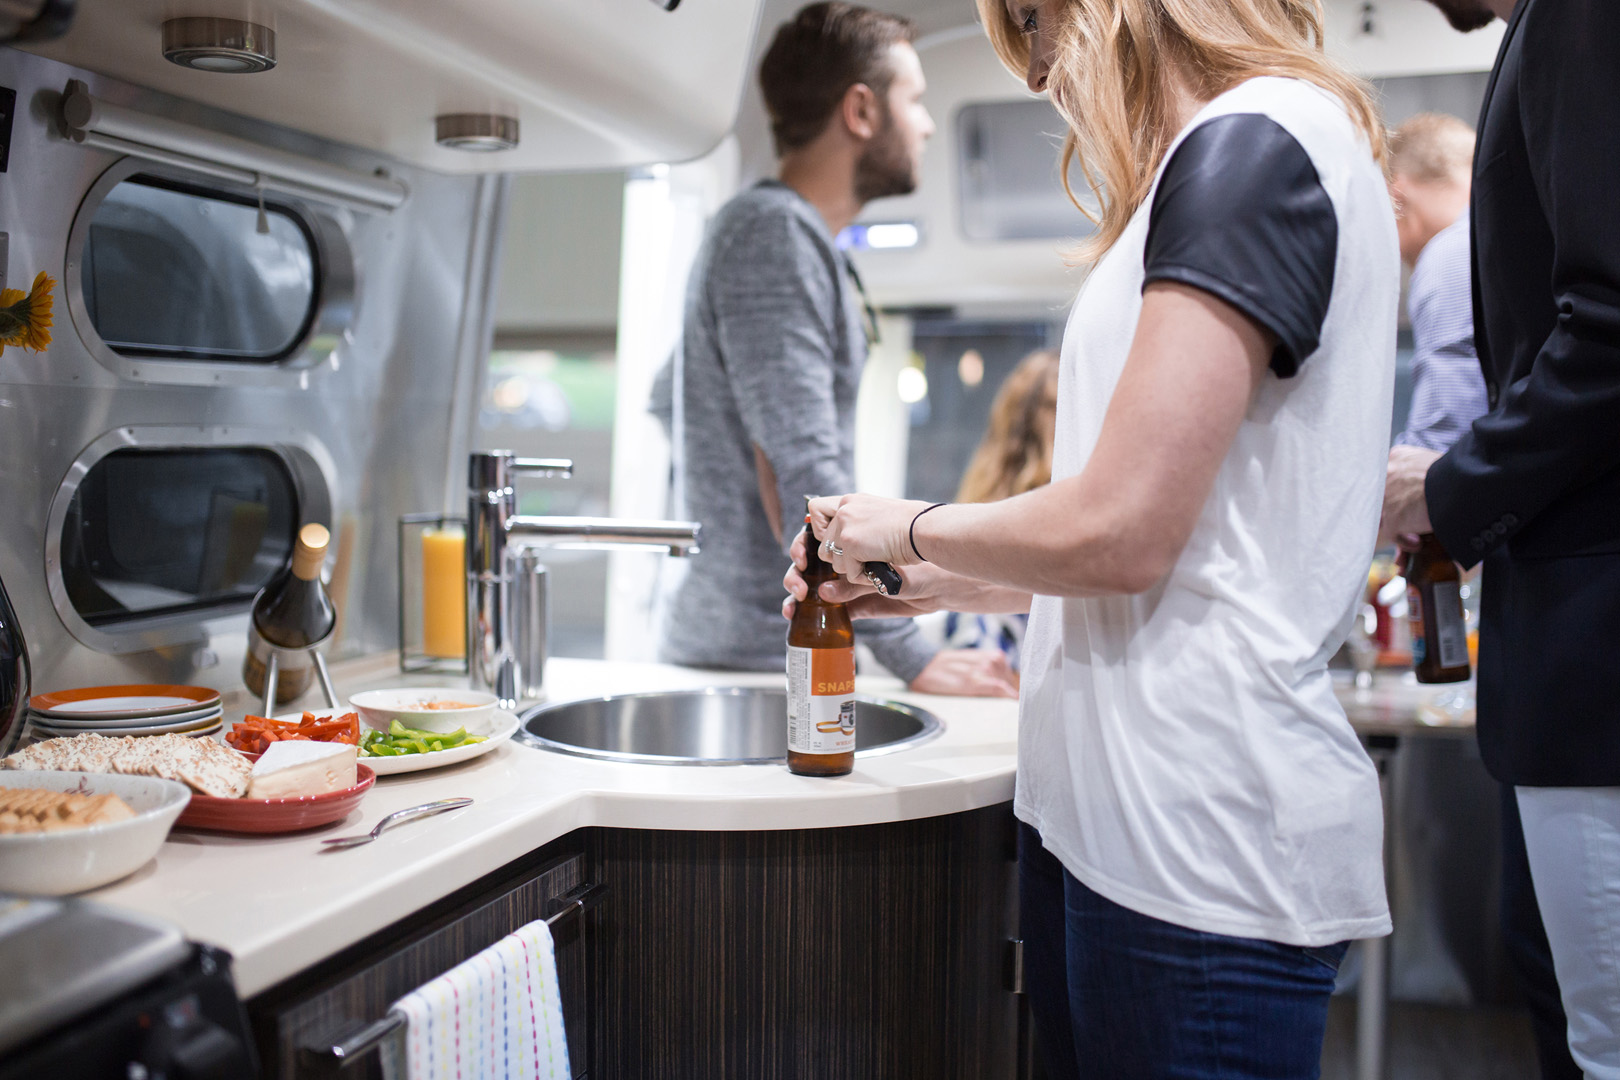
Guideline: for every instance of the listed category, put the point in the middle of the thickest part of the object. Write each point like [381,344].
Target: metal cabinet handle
[576,901]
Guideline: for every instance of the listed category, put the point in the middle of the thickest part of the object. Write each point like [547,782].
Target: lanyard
[869,315]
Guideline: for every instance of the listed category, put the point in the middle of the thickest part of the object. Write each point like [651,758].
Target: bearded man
[774,342]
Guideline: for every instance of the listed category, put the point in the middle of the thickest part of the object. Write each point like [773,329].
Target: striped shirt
[1448,388]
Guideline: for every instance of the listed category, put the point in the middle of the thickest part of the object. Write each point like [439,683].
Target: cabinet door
[340,1002]
[876,952]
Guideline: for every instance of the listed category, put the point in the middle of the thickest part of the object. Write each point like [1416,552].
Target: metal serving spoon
[396,818]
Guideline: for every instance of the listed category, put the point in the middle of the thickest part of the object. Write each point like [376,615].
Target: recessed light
[227,46]
[476,131]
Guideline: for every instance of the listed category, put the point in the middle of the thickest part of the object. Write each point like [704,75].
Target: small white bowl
[72,860]
[406,704]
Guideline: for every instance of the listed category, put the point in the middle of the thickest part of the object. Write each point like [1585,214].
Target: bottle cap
[310,552]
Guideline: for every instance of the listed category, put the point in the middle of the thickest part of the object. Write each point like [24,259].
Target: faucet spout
[680,538]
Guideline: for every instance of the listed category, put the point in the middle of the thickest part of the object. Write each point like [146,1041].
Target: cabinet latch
[1015,965]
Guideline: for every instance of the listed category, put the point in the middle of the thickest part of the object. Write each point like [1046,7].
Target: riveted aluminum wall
[375,408]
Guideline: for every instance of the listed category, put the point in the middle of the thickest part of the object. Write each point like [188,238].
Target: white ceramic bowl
[72,860]
[405,704]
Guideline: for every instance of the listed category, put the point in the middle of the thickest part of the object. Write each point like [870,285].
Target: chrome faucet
[497,534]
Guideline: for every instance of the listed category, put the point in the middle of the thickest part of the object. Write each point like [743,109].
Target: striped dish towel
[498,1015]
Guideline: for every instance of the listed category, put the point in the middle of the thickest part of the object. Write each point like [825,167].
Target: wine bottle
[291,612]
[821,676]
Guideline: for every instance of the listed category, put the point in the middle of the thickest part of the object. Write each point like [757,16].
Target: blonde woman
[1201,829]
[1014,456]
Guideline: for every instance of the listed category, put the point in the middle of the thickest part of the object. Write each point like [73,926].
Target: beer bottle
[1434,607]
[821,676]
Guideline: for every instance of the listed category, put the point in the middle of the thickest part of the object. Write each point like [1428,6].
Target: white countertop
[1398,705]
[279,904]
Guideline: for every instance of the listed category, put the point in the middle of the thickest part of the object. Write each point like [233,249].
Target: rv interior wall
[372,423]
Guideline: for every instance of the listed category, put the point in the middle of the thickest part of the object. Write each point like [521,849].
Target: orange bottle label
[821,700]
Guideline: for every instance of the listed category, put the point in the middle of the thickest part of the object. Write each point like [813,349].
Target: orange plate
[274,815]
[193,697]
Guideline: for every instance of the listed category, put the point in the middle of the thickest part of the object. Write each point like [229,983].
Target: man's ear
[861,112]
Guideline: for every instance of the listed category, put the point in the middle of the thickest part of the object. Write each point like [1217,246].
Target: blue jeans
[1117,995]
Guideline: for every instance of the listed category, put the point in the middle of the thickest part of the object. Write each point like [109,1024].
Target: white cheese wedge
[295,769]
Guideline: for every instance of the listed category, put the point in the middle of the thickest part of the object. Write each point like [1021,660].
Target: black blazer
[1534,488]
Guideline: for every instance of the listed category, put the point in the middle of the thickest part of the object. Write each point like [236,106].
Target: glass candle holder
[432,593]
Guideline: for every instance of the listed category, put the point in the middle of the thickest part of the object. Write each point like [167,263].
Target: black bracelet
[911,533]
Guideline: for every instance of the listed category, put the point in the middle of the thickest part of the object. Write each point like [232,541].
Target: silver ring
[834,548]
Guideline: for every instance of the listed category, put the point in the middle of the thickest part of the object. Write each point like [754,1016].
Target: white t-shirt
[1181,751]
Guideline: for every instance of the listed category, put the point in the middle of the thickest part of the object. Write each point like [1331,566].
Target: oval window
[177,271]
[1008,155]
[165,531]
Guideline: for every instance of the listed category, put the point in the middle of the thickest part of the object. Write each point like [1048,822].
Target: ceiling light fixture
[227,46]
[476,131]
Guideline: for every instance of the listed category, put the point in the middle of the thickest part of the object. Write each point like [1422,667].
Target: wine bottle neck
[310,552]
[306,564]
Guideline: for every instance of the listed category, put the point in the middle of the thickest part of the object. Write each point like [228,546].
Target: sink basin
[717,726]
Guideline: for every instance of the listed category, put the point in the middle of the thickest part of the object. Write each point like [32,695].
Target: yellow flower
[25,318]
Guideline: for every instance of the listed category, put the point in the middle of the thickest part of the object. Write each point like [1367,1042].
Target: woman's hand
[924,587]
[957,672]
[865,602]
[967,673]
[858,529]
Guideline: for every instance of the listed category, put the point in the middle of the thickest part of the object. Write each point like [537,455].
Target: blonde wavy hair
[1111,62]
[1016,453]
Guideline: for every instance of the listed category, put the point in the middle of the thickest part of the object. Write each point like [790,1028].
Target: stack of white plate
[126,710]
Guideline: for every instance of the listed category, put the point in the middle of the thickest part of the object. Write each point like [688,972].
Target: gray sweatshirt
[771,354]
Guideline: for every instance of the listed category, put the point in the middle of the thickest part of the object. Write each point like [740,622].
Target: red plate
[274,815]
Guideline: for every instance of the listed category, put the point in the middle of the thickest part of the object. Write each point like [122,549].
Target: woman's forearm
[1122,522]
[960,592]
[1048,542]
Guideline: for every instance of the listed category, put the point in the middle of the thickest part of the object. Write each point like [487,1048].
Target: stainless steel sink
[717,726]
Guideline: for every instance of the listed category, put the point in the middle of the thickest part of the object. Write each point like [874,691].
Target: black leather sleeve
[1241,213]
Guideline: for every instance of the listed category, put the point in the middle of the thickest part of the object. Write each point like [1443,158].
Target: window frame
[272,205]
[305,457]
[325,330]
[964,128]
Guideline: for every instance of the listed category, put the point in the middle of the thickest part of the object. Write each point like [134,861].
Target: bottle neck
[1431,548]
[310,552]
[816,569]
[307,566]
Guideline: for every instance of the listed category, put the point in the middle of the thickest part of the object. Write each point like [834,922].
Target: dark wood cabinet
[877,951]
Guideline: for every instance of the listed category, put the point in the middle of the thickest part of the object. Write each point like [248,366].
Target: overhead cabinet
[604,84]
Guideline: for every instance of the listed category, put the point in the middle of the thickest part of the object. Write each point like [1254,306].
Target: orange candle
[444,593]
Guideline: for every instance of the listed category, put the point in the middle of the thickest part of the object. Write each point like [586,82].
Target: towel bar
[335,1054]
